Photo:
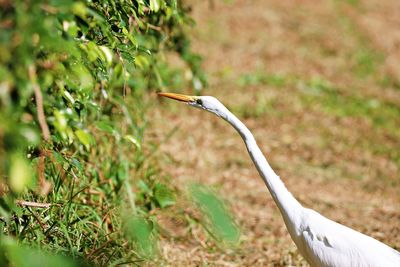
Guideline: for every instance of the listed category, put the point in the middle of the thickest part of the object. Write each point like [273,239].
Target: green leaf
[143,187]
[79,9]
[77,164]
[22,256]
[31,135]
[142,62]
[84,79]
[163,196]
[105,126]
[61,122]
[58,157]
[155,5]
[68,96]
[139,231]
[85,137]
[129,36]
[20,174]
[107,54]
[221,222]
[133,140]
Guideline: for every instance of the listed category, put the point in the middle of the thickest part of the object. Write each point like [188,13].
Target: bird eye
[199,102]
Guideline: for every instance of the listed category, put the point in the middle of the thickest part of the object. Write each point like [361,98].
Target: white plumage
[321,241]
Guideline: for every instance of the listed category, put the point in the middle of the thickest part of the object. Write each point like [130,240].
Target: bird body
[324,242]
[321,241]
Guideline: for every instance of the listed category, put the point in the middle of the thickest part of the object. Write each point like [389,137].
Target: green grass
[365,60]
[323,96]
[72,122]
[332,99]
[349,102]
[261,106]
[383,117]
[260,78]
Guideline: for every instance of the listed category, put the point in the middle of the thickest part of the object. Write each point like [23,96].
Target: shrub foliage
[74,76]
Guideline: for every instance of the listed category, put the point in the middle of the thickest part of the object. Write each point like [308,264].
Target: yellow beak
[179,97]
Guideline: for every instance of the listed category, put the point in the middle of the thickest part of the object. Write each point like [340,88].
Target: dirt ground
[270,62]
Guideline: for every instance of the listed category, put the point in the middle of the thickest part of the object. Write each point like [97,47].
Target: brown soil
[331,163]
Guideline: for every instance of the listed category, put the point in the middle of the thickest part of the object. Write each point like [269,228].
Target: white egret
[321,241]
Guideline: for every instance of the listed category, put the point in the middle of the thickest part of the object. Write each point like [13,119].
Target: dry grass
[324,80]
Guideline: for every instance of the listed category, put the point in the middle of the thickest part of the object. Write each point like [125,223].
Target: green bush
[74,76]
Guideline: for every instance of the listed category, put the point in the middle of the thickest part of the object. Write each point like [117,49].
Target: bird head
[208,103]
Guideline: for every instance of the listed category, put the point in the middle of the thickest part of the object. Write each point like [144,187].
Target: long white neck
[287,204]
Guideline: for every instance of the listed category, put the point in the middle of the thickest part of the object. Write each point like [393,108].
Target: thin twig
[94,251]
[49,9]
[37,219]
[39,103]
[44,185]
[33,204]
[153,27]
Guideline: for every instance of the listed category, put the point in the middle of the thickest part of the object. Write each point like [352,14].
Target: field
[96,170]
[318,84]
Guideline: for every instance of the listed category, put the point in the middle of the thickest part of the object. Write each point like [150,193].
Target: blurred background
[96,170]
[318,85]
